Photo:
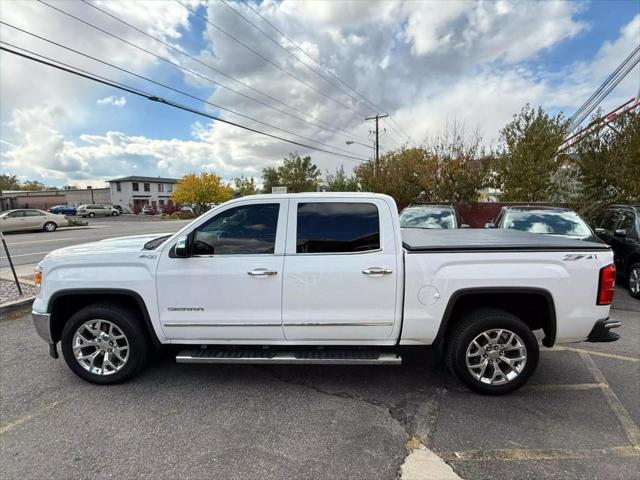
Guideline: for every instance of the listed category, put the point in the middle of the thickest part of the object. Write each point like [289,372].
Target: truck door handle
[262,272]
[377,271]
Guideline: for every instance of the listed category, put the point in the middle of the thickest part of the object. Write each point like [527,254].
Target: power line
[168,87]
[284,70]
[275,42]
[193,72]
[317,62]
[605,88]
[111,83]
[375,107]
[209,66]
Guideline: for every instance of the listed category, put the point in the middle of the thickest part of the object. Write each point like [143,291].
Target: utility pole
[377,118]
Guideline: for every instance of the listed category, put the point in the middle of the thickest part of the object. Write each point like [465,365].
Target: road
[577,418]
[31,247]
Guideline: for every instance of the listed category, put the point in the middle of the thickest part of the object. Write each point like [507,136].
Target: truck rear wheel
[492,351]
[104,343]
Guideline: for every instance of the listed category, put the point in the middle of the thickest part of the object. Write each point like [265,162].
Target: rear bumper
[42,322]
[601,331]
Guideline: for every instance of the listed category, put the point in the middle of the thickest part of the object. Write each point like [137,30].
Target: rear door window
[337,227]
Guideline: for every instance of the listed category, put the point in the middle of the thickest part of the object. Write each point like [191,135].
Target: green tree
[607,161]
[9,182]
[245,185]
[527,156]
[33,185]
[450,168]
[201,189]
[396,174]
[298,174]
[339,181]
[455,167]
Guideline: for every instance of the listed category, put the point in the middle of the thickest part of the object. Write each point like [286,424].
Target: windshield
[549,222]
[427,217]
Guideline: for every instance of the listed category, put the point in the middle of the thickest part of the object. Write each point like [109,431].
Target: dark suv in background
[619,226]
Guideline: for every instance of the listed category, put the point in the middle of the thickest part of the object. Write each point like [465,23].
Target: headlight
[37,277]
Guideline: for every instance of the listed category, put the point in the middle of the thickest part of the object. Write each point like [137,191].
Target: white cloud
[113,101]
[424,62]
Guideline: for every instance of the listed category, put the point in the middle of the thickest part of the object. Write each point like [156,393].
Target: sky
[427,64]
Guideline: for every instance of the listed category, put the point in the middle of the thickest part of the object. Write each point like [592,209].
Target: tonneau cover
[490,239]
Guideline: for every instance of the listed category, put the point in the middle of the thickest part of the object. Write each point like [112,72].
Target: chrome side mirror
[181,249]
[489,225]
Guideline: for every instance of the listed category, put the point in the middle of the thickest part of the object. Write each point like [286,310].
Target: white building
[132,193]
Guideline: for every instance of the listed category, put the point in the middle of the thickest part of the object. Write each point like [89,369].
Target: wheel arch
[534,306]
[64,303]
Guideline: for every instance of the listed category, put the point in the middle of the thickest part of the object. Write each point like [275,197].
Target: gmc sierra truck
[327,278]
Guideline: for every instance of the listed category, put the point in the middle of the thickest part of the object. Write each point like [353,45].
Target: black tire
[472,324]
[50,227]
[128,322]
[633,268]
[91,214]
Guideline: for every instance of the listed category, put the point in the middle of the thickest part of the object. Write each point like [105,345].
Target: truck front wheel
[104,343]
[492,351]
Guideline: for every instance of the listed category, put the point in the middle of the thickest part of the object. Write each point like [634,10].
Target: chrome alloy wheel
[496,356]
[634,281]
[100,347]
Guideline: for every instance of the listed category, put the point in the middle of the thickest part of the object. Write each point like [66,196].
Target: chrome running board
[303,357]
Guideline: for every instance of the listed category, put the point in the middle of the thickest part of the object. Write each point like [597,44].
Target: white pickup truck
[323,278]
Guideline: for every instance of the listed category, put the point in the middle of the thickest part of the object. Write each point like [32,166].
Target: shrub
[179,215]
[77,222]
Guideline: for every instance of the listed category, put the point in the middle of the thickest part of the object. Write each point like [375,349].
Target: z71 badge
[572,257]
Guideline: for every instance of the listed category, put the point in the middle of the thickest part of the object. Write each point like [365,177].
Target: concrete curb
[10,306]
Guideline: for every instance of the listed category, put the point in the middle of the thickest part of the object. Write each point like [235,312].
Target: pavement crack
[346,395]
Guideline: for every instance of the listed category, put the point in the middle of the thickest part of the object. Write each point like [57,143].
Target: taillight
[606,284]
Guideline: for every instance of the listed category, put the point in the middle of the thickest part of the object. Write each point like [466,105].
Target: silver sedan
[30,219]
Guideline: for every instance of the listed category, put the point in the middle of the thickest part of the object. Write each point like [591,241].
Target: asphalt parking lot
[578,417]
[28,248]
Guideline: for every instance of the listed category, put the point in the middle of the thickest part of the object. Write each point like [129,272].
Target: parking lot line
[630,428]
[36,413]
[625,358]
[566,386]
[515,454]
[24,255]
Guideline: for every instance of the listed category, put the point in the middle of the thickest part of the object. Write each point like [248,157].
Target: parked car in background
[30,219]
[546,220]
[148,210]
[94,210]
[619,226]
[118,208]
[63,210]
[431,216]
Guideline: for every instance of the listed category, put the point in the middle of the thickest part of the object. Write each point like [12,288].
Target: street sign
[278,189]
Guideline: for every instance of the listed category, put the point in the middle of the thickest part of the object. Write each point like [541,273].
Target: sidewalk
[24,272]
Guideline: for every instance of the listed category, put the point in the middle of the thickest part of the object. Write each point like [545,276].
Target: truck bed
[429,240]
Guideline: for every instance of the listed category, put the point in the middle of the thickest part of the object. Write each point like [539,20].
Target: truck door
[341,271]
[230,288]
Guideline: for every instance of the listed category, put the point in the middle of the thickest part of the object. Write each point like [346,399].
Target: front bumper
[602,331]
[42,322]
